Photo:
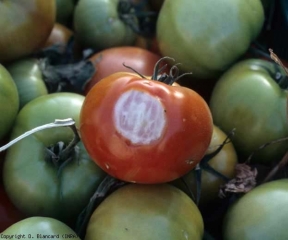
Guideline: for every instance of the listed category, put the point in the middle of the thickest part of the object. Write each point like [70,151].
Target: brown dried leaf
[277,60]
[244,181]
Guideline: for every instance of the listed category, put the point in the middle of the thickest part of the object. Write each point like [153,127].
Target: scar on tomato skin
[139,117]
[189,161]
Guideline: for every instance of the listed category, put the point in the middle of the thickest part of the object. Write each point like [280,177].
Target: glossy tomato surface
[25,25]
[100,24]
[203,37]
[111,60]
[259,214]
[142,130]
[146,212]
[39,227]
[27,75]
[249,98]
[9,101]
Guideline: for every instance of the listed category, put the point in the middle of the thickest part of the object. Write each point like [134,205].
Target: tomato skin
[111,60]
[9,101]
[35,22]
[40,227]
[248,99]
[200,36]
[104,29]
[259,214]
[183,140]
[28,78]
[146,212]
[31,180]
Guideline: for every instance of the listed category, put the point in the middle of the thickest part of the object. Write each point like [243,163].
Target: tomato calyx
[60,155]
[134,15]
[158,74]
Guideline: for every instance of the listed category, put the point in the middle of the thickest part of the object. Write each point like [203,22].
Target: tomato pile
[143,119]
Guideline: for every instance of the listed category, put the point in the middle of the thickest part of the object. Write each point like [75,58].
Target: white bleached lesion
[139,117]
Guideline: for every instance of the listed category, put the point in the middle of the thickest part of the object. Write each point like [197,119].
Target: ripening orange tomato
[142,130]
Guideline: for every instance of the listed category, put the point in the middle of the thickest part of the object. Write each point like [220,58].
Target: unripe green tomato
[28,77]
[98,25]
[9,101]
[207,36]
[249,99]
[260,214]
[43,184]
[39,227]
[146,212]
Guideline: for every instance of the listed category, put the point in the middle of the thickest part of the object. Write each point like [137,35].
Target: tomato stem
[170,78]
[141,75]
[156,70]
[157,75]
[69,122]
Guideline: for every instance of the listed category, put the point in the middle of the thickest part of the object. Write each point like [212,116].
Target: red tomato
[144,131]
[111,61]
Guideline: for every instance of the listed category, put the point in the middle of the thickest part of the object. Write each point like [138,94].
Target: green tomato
[39,228]
[98,25]
[27,75]
[248,98]
[146,212]
[9,101]
[259,214]
[207,36]
[36,184]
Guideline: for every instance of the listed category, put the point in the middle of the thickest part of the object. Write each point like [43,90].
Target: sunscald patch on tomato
[145,131]
[139,117]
